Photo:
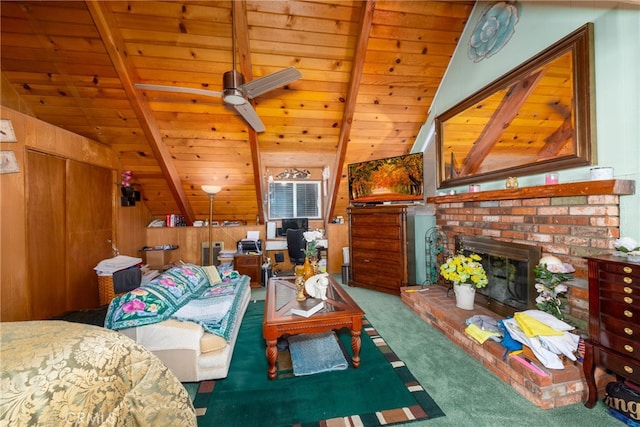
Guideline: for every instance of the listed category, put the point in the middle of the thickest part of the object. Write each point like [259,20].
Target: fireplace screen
[510,270]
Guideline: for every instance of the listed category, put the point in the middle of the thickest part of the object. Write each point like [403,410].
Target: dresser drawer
[379,233]
[374,220]
[631,299]
[376,245]
[247,260]
[622,345]
[379,278]
[373,256]
[619,279]
[620,310]
[622,366]
[620,327]
[625,269]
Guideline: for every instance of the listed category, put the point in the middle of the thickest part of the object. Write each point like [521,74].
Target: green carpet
[381,391]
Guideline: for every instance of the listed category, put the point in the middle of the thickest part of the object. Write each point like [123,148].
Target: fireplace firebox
[510,270]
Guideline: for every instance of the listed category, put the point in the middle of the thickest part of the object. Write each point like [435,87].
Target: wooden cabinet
[251,265]
[614,314]
[378,247]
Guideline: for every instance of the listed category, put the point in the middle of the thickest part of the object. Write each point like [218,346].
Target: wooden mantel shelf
[583,188]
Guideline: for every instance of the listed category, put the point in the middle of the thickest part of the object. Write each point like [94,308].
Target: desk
[275,245]
[250,265]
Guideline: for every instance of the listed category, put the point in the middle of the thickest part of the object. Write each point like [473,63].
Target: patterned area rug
[381,392]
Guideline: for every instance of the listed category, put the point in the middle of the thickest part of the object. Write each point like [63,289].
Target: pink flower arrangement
[550,275]
[126,179]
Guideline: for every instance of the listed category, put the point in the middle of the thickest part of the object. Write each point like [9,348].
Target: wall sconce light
[211,191]
[129,195]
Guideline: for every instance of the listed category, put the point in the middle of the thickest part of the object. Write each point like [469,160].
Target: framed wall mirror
[538,117]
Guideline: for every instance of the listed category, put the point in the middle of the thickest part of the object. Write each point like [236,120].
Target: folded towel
[533,327]
[478,334]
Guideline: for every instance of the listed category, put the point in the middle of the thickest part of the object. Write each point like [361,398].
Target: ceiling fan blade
[249,114]
[271,81]
[178,89]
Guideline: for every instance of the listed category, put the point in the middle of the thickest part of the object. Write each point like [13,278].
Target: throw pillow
[212,274]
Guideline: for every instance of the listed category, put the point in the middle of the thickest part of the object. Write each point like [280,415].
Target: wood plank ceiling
[369,70]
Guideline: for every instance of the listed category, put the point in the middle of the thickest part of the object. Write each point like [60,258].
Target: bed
[63,373]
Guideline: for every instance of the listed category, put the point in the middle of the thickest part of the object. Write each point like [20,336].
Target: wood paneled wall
[77,226]
[55,215]
[190,239]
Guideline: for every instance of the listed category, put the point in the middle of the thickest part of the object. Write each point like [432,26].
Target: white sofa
[188,316]
[187,350]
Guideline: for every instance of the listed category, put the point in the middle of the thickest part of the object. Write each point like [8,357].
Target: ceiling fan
[235,91]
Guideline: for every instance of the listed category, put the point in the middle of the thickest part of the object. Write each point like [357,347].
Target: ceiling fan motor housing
[231,82]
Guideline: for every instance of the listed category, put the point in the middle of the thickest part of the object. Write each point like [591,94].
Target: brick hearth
[569,221]
[560,388]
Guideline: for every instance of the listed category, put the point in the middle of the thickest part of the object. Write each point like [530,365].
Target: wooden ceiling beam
[115,46]
[244,54]
[366,24]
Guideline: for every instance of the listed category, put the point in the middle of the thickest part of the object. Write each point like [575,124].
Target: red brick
[604,199]
[553,210]
[580,293]
[594,210]
[542,201]
[571,220]
[554,229]
[523,211]
[604,221]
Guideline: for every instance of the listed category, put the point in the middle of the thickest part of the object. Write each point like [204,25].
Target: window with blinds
[294,199]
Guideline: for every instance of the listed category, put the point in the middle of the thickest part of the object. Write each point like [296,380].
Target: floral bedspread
[56,373]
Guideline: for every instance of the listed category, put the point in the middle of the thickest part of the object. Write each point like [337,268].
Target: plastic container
[345,255]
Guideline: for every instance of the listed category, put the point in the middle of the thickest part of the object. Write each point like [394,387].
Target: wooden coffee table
[340,311]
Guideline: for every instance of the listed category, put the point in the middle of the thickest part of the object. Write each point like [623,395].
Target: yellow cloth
[478,334]
[533,327]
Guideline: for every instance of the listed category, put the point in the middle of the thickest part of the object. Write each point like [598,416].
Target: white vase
[465,296]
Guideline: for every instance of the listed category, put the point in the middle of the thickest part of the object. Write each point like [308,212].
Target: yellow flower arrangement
[465,270]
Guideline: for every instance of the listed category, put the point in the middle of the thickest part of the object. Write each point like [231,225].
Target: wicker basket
[105,289]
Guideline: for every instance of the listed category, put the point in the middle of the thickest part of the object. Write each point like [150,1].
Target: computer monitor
[294,223]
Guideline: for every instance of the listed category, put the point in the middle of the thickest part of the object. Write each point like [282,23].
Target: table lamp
[211,191]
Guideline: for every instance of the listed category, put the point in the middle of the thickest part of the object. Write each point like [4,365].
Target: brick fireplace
[569,221]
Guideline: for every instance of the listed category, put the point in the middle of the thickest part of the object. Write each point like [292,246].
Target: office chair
[296,245]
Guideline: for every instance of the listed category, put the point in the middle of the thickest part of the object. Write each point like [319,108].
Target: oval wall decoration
[493,30]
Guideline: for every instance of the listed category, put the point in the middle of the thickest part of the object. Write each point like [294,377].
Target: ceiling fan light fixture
[231,82]
[233,96]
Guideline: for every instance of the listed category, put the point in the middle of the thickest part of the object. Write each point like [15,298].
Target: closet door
[69,223]
[89,225]
[46,240]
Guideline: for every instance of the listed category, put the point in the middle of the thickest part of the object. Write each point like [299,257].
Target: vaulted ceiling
[370,70]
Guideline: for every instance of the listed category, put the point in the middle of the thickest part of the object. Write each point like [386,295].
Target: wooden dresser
[614,314]
[378,247]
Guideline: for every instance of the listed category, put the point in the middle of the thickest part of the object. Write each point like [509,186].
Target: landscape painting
[393,179]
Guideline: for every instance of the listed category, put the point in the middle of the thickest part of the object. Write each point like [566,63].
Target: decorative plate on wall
[493,30]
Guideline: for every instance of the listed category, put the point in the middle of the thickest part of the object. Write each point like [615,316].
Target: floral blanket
[183,293]
[216,308]
[56,373]
[157,300]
